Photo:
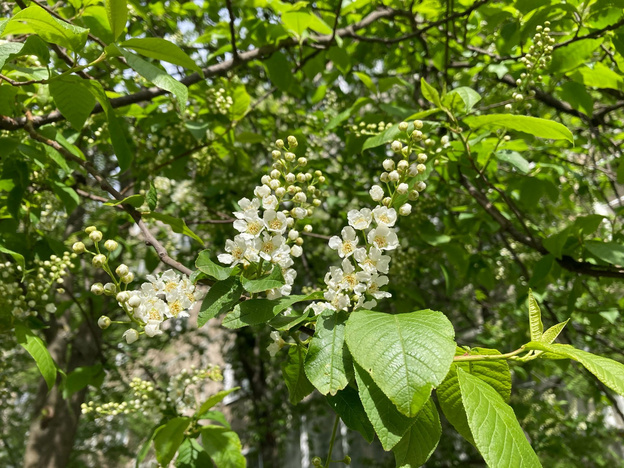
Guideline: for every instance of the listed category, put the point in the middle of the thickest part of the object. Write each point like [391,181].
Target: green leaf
[610,252]
[278,69]
[608,371]
[328,363]
[273,280]
[368,82]
[389,424]
[257,311]
[221,297]
[168,438]
[535,318]
[430,93]
[7,49]
[292,370]
[541,128]
[287,322]
[133,200]
[161,49]
[37,349]
[384,137]
[18,257]
[515,159]
[67,195]
[421,440]
[214,270]
[117,13]
[73,99]
[297,21]
[193,455]
[495,373]
[346,404]
[213,400]
[242,100]
[468,96]
[496,431]
[553,332]
[405,354]
[152,197]
[80,377]
[574,54]
[115,129]
[35,20]
[159,77]
[223,446]
[178,225]
[144,450]
[600,76]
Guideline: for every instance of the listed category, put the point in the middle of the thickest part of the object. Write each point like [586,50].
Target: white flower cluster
[370,129]
[36,292]
[165,296]
[148,396]
[371,234]
[220,100]
[538,57]
[267,224]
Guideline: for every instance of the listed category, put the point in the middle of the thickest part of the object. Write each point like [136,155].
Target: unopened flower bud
[403,188]
[299,241]
[78,247]
[422,158]
[405,209]
[98,260]
[122,270]
[421,168]
[302,161]
[403,126]
[110,289]
[276,154]
[97,289]
[95,236]
[279,143]
[90,229]
[128,278]
[384,177]
[386,201]
[122,296]
[296,251]
[265,179]
[292,142]
[131,335]
[134,301]
[413,195]
[418,124]
[396,146]
[290,157]
[388,165]
[110,245]
[394,176]
[307,228]
[104,322]
[420,186]
[376,193]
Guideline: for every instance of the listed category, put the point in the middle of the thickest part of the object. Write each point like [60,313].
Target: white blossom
[347,245]
[383,237]
[360,219]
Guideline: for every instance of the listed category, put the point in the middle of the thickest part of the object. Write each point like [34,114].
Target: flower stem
[331,442]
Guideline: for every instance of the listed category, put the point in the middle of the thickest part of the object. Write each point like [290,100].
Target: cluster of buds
[537,58]
[36,292]
[50,217]
[220,100]
[370,129]
[269,223]
[164,296]
[147,396]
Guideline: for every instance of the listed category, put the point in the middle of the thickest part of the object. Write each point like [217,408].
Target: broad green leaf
[292,370]
[288,322]
[18,257]
[389,424]
[553,332]
[279,70]
[297,21]
[193,455]
[257,311]
[37,349]
[67,195]
[610,252]
[168,438]
[73,99]
[600,76]
[159,77]
[541,128]
[117,13]
[152,197]
[515,159]
[7,49]
[608,371]
[346,404]
[133,200]
[178,225]
[466,96]
[535,318]
[273,280]
[328,363]
[242,100]
[115,128]
[80,377]
[405,354]
[161,49]
[223,446]
[497,433]
[35,20]
[345,114]
[430,93]
[574,54]
[495,373]
[384,137]
[221,298]
[213,400]
[368,82]
[420,441]
[214,270]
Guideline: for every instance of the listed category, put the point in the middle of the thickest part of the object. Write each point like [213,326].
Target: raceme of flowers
[35,292]
[371,235]
[179,394]
[164,296]
[268,223]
